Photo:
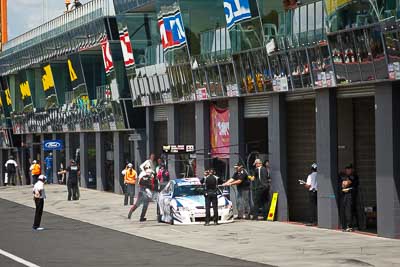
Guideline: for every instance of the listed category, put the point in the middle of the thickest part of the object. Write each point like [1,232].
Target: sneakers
[142,220]
[349,229]
[206,224]
[38,228]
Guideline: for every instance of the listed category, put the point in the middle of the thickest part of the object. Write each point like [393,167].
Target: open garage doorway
[301,151]
[356,146]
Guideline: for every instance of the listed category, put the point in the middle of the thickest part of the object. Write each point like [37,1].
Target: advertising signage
[178,149]
[236,11]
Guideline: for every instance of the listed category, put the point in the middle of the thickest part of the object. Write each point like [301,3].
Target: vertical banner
[236,11]
[49,87]
[172,30]
[25,91]
[109,68]
[113,107]
[127,50]
[76,76]
[5,97]
[219,132]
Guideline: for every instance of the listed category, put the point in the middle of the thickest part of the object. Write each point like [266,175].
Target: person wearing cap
[262,186]
[11,171]
[72,180]
[240,179]
[130,176]
[149,163]
[39,196]
[312,186]
[35,171]
[147,184]
[49,168]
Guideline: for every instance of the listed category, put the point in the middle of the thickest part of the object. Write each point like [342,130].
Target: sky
[24,15]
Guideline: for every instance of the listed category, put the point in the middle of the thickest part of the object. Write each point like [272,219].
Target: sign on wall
[236,11]
[219,132]
[53,145]
[172,30]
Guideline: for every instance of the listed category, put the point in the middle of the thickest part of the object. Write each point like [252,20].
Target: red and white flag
[126,46]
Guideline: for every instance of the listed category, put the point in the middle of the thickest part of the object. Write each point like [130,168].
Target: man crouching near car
[210,182]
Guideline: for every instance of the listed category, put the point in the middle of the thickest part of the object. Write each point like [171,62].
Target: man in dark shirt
[210,182]
[240,179]
[72,182]
[262,185]
[347,183]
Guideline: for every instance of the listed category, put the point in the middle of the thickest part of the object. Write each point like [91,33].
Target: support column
[67,144]
[237,146]
[387,134]
[118,161]
[277,133]
[139,148]
[202,120]
[100,162]
[29,142]
[84,162]
[56,159]
[2,169]
[173,137]
[42,154]
[236,131]
[149,130]
[327,158]
[23,164]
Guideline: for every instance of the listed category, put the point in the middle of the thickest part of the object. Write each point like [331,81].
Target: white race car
[182,202]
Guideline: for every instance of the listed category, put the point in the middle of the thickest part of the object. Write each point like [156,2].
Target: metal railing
[86,13]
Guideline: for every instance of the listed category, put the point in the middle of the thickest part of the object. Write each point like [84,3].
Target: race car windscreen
[188,190]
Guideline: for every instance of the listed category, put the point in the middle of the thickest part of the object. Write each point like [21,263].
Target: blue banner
[53,145]
[172,30]
[235,11]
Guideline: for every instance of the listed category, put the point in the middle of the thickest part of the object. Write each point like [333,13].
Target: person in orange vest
[130,176]
[35,171]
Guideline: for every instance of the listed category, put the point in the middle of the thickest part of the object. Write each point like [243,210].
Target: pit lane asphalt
[67,242]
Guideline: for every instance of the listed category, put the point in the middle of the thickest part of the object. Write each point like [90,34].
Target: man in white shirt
[148,163]
[312,186]
[11,170]
[39,196]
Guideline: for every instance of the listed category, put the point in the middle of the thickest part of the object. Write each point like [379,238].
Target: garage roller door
[160,113]
[301,149]
[257,106]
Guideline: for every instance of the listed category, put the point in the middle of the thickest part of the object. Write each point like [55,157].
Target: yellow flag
[47,78]
[25,90]
[72,73]
[8,96]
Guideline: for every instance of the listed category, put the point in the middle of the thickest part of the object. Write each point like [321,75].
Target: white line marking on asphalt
[178,231]
[17,259]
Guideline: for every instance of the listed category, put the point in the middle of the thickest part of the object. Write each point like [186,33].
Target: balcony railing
[86,13]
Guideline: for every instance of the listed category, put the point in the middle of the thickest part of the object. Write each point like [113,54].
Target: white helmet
[42,177]
[130,165]
[314,166]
